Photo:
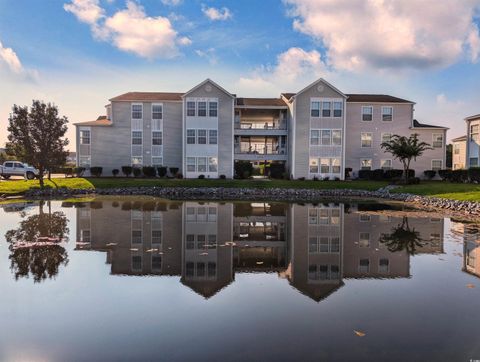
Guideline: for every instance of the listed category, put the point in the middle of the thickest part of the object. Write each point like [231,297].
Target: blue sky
[79,53]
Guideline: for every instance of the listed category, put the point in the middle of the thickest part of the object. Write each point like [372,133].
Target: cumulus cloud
[171,2]
[216,14]
[130,29]
[293,68]
[208,54]
[11,66]
[390,33]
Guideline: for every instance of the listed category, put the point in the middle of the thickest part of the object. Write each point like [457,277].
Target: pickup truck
[15,168]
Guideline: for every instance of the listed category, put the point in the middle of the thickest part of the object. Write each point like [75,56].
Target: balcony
[262,123]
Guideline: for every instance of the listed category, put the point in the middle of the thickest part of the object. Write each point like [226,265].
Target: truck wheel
[30,175]
[6,177]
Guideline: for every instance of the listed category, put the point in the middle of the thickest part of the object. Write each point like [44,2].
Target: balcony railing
[260,149]
[261,126]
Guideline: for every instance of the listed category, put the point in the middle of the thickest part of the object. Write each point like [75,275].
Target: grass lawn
[20,186]
[446,190]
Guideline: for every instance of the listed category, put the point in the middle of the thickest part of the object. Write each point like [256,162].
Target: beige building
[459,152]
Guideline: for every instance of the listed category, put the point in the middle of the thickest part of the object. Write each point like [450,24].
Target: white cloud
[130,29]
[208,54]
[294,69]
[171,2]
[12,67]
[216,14]
[389,33]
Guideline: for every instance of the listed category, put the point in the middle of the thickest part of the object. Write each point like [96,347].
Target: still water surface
[130,279]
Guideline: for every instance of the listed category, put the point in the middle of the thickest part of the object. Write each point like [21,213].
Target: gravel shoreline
[278,194]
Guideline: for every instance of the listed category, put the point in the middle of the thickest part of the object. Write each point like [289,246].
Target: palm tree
[405,149]
[403,237]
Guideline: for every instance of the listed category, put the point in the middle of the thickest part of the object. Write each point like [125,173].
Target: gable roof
[323,81]
[472,118]
[459,139]
[101,121]
[147,97]
[288,95]
[417,124]
[211,81]
[259,102]
[375,98]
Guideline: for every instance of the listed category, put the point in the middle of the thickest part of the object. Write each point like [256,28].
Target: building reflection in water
[471,250]
[314,247]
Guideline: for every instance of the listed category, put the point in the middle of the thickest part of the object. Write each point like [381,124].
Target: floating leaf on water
[471,286]
[359,333]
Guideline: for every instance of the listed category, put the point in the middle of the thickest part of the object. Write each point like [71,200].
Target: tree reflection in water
[35,245]
[403,237]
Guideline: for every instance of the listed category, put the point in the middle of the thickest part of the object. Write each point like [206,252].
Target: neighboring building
[205,244]
[473,141]
[317,132]
[459,151]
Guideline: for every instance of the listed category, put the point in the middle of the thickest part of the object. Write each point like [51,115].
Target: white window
[386,164]
[437,164]
[326,137]
[383,265]
[456,149]
[190,136]
[212,109]
[336,137]
[212,137]
[367,113]
[386,137]
[315,109]
[191,108]
[364,240]
[337,109]
[313,165]
[137,111]
[137,137]
[84,161]
[474,162]
[366,164]
[324,165]
[157,161]
[474,128]
[157,111]
[324,244]
[314,137]
[335,165]
[364,265]
[85,236]
[212,164]
[387,113]
[202,164]
[85,137]
[191,164]
[202,136]
[367,139]
[326,109]
[437,140]
[137,161]
[157,139]
[202,109]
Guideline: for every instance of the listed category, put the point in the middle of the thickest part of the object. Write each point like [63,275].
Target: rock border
[469,208]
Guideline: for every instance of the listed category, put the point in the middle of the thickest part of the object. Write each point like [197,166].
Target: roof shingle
[101,121]
[148,97]
[375,98]
[258,102]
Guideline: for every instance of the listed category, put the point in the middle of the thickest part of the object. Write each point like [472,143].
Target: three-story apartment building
[315,133]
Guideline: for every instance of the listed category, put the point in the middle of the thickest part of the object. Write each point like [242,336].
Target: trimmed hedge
[137,171]
[393,174]
[243,169]
[149,171]
[96,171]
[277,170]
[429,174]
[127,170]
[162,171]
[78,171]
[173,171]
[115,172]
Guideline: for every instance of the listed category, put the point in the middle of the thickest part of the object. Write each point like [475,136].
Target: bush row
[471,175]
[381,174]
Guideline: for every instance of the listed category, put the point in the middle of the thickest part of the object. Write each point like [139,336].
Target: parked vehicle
[16,168]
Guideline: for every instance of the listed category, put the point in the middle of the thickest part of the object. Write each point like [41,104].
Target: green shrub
[445,175]
[173,171]
[96,171]
[179,175]
[243,169]
[149,171]
[115,172]
[162,171]
[127,170]
[137,171]
[411,173]
[413,181]
[347,172]
[201,177]
[429,174]
[365,174]
[79,171]
[223,177]
[474,174]
[277,170]
[393,174]
[377,174]
[459,176]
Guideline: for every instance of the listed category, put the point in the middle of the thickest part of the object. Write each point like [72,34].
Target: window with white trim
[383,265]
[336,137]
[324,165]
[201,164]
[157,139]
[315,109]
[367,139]
[364,265]
[190,136]
[474,131]
[364,240]
[84,161]
[386,137]
[212,164]
[157,111]
[437,140]
[212,109]
[137,161]
[456,149]
[386,164]
[326,109]
[191,164]
[314,165]
[314,137]
[473,161]
[326,137]
[85,137]
[335,165]
[437,165]
[212,137]
[191,108]
[202,108]
[137,137]
[366,164]
[157,161]
[387,114]
[337,109]
[137,111]
[202,136]
[367,113]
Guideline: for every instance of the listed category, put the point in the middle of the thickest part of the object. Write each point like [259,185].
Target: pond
[149,279]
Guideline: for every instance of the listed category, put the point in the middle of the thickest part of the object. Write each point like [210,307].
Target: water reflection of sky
[265,299]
